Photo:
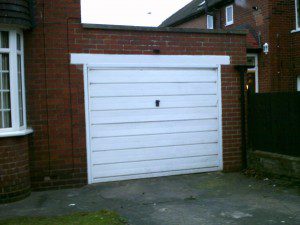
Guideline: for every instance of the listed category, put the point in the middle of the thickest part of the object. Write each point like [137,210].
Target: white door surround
[122,114]
[255,70]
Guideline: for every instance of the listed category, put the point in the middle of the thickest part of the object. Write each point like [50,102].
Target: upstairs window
[12,95]
[229,15]
[297,7]
[210,22]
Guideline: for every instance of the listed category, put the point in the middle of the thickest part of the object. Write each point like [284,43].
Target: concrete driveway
[200,199]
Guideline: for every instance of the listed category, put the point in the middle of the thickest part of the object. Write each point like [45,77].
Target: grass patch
[103,217]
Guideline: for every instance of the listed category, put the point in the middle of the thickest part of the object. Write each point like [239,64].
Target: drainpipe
[243,72]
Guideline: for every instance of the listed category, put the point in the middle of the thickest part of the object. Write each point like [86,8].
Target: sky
[150,13]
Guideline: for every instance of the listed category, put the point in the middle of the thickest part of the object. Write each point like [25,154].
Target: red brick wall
[199,22]
[274,20]
[55,93]
[282,16]
[257,20]
[14,169]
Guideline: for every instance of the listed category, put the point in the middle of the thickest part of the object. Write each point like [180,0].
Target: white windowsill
[295,31]
[16,133]
[228,24]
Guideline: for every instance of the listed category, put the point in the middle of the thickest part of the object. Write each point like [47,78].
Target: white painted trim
[297,15]
[23,82]
[232,21]
[13,75]
[109,60]
[256,71]
[91,62]
[106,66]
[87,123]
[220,118]
[295,31]
[16,133]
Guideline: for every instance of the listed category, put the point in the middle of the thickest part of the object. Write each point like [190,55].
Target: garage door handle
[157,103]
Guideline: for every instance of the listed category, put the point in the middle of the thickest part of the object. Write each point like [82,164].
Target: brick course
[14,169]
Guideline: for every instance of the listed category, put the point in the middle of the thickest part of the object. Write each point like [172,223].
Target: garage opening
[153,118]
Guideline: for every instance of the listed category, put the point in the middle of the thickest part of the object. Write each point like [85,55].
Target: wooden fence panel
[274,123]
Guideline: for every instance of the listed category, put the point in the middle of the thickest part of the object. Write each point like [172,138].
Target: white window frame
[229,22]
[15,129]
[208,18]
[297,15]
[298,83]
[255,70]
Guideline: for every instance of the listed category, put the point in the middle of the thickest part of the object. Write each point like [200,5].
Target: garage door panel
[156,153]
[131,137]
[149,115]
[109,130]
[142,141]
[121,169]
[142,102]
[141,76]
[150,89]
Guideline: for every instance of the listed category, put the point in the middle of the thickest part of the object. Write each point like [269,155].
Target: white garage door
[152,122]
[149,116]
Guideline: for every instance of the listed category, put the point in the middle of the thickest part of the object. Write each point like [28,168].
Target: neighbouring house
[85,103]
[274,24]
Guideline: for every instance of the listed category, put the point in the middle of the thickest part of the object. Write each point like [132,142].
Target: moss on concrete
[98,218]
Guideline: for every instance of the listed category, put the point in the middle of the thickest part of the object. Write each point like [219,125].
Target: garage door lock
[157,103]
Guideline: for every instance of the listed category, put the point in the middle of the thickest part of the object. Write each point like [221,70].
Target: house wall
[55,91]
[199,22]
[273,21]
[14,169]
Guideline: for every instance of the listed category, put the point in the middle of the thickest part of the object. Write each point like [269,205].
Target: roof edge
[162,29]
[196,14]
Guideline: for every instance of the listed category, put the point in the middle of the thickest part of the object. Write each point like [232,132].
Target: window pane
[251,61]
[7,119]
[229,14]
[210,22]
[5,62]
[4,40]
[21,117]
[20,90]
[19,42]
[5,103]
[5,81]
[6,100]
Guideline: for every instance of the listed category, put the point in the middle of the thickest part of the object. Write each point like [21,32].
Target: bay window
[12,91]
